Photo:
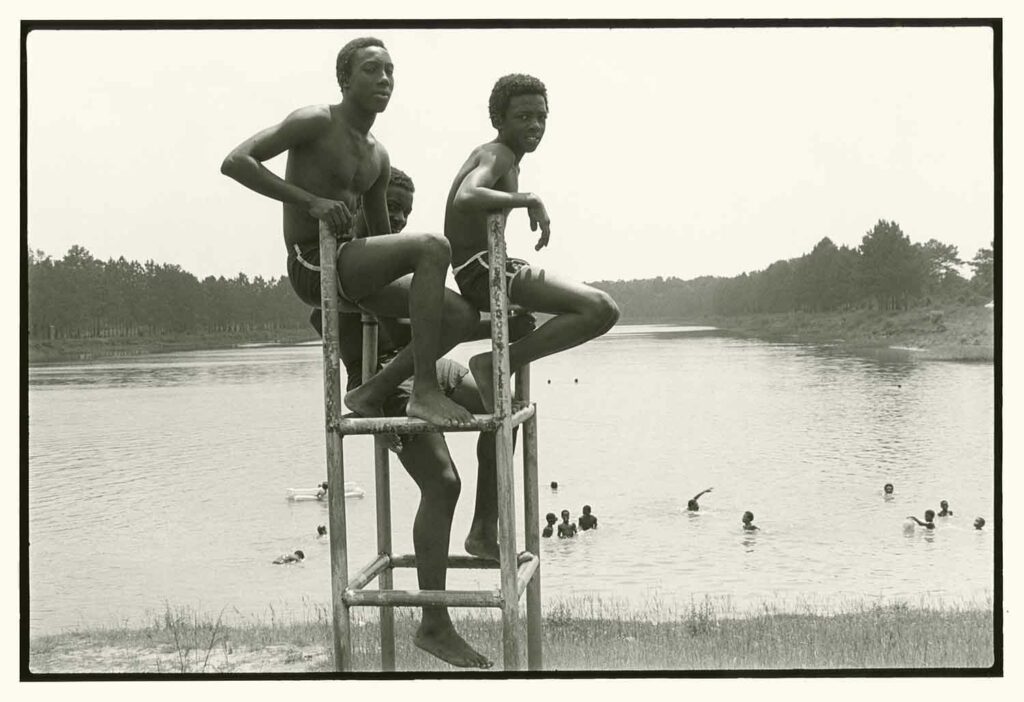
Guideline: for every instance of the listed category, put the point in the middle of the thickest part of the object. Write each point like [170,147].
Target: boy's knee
[603,309]
[448,486]
[434,246]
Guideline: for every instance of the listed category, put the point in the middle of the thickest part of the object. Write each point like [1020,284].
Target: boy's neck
[518,154]
[356,117]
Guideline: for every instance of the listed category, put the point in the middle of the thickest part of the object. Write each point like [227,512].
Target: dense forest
[79,296]
[886,272]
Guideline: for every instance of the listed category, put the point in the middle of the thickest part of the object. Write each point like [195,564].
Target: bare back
[466,230]
[335,162]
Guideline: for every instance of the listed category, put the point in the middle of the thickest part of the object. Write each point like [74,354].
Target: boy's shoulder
[314,117]
[502,155]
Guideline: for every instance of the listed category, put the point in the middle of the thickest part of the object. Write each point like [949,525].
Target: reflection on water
[163,479]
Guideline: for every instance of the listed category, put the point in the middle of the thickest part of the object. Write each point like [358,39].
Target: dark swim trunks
[473,280]
[304,273]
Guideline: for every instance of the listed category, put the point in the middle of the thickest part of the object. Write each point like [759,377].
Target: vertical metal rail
[503,441]
[340,616]
[382,482]
[531,527]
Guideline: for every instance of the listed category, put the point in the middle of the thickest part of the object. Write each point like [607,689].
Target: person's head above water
[586,509]
[300,555]
[565,514]
[554,484]
[323,485]
[692,505]
[943,504]
[888,488]
[321,530]
[551,517]
[929,514]
[748,517]
[979,522]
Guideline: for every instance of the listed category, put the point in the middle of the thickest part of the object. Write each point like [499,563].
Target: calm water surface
[161,480]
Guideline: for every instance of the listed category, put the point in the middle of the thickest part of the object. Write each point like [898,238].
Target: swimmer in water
[554,484]
[888,489]
[692,505]
[748,522]
[550,528]
[321,531]
[929,519]
[290,558]
[566,530]
[979,523]
[321,492]
[587,520]
[944,510]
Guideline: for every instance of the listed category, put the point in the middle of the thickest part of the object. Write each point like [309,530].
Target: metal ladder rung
[355,426]
[356,596]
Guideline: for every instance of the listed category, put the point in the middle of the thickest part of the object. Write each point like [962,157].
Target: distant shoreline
[101,349]
[959,333]
[941,333]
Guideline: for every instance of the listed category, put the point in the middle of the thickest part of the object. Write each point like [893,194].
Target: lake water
[161,480]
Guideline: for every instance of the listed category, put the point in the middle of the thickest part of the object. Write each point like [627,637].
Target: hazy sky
[673,152]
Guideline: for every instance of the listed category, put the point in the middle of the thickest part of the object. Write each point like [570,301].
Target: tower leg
[531,522]
[340,619]
[503,442]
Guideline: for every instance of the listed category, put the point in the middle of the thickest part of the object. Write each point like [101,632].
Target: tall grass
[581,633]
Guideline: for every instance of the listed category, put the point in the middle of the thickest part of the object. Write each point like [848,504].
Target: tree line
[80,296]
[886,272]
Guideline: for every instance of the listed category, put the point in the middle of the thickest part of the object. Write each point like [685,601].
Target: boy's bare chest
[346,163]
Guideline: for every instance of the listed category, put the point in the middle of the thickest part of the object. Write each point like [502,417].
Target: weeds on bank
[580,633]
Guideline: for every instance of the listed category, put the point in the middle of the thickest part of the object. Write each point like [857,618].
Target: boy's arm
[477,191]
[245,164]
[698,495]
[375,200]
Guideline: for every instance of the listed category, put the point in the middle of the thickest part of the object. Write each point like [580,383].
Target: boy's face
[372,79]
[524,122]
[399,208]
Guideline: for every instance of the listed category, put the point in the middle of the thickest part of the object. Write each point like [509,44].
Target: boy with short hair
[336,167]
[488,182]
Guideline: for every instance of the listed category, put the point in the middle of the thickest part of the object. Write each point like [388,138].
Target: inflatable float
[314,494]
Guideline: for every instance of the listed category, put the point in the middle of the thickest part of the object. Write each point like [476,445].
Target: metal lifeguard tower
[348,592]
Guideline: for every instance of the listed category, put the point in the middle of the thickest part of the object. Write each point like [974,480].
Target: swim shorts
[304,273]
[473,280]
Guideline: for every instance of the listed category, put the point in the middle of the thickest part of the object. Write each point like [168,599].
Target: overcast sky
[672,152]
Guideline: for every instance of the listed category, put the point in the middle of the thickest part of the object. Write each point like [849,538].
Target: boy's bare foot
[482,368]
[482,547]
[434,407]
[364,401]
[485,548]
[446,644]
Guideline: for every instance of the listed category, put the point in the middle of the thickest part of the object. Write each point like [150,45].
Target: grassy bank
[578,635]
[69,350]
[946,334]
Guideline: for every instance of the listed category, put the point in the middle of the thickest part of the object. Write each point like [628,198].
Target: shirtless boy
[489,182]
[335,166]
